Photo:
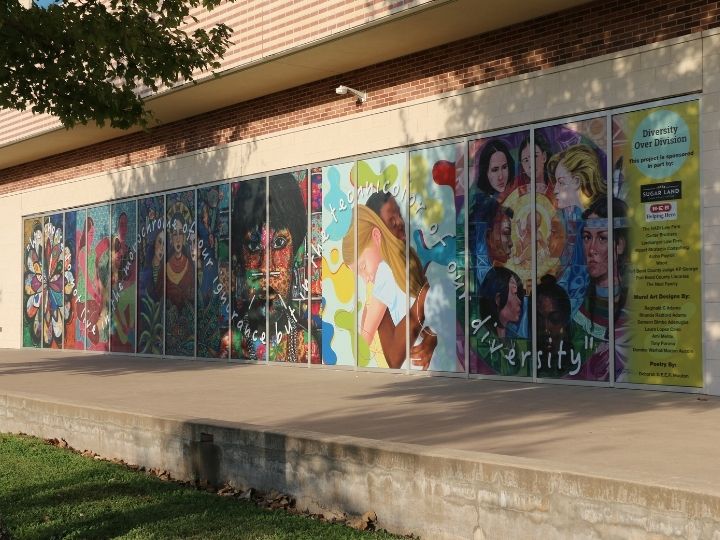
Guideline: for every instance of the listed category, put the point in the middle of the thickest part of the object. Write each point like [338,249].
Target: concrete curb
[446,494]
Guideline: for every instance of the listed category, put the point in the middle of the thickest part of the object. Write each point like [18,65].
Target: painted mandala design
[53,292]
[34,288]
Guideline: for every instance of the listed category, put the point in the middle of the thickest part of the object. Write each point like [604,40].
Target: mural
[287,285]
[180,273]
[316,264]
[74,280]
[378,235]
[249,270]
[493,258]
[151,275]
[33,282]
[123,276]
[500,244]
[572,261]
[53,292]
[437,208]
[336,325]
[97,307]
[213,271]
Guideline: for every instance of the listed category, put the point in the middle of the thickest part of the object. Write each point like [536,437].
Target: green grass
[48,492]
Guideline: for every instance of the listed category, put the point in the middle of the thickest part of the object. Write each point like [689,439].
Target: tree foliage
[84,60]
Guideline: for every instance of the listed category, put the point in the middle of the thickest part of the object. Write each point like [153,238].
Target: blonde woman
[578,179]
[381,261]
[579,184]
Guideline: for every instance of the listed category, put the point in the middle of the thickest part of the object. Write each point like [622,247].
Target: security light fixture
[342,90]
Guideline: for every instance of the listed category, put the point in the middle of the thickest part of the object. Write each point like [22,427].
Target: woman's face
[500,240]
[369,260]
[160,245]
[595,244]
[556,241]
[510,312]
[178,239]
[525,160]
[566,187]
[498,172]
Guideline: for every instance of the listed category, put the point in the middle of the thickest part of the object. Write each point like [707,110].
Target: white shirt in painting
[387,291]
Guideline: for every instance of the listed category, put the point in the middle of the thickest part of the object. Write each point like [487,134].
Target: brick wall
[591,30]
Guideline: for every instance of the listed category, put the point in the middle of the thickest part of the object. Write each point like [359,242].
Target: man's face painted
[392,218]
[278,257]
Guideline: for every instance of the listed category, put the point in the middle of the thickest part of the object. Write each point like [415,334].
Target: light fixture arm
[342,90]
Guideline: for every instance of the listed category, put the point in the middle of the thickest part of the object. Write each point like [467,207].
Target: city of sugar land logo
[661,200]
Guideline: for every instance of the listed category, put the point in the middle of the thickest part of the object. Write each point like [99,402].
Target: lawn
[49,492]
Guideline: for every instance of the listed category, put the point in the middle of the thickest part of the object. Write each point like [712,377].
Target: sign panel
[658,320]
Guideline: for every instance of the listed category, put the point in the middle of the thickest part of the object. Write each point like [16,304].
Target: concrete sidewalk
[657,438]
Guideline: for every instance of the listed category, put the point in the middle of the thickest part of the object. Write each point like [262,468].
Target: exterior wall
[243,141]
[262,29]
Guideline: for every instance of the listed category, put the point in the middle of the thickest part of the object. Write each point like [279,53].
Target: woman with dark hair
[384,205]
[492,240]
[496,349]
[542,155]
[180,284]
[501,299]
[594,314]
[494,169]
[488,220]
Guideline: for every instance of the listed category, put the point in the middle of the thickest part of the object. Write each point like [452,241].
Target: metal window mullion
[466,302]
[111,307]
[137,280]
[268,340]
[609,182]
[533,257]
[195,272]
[358,333]
[308,267]
[109,304]
[164,261]
[62,284]
[85,268]
[43,282]
[230,307]
[408,229]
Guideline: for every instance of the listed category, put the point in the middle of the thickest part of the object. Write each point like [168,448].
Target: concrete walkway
[658,438]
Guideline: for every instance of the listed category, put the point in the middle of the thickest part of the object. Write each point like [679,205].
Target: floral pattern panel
[33,281]
[53,301]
